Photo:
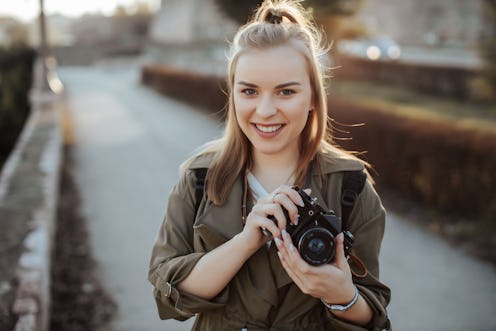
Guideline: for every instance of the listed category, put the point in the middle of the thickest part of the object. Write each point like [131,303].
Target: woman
[212,256]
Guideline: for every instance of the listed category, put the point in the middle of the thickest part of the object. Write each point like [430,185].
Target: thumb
[340,260]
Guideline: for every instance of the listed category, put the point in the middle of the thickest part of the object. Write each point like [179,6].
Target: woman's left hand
[330,282]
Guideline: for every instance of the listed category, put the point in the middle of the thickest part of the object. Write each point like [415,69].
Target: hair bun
[273,17]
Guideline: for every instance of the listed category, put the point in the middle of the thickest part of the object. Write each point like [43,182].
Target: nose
[266,107]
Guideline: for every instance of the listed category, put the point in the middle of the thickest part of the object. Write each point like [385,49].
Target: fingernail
[296,220]
[278,241]
[341,237]
[284,232]
[292,248]
[300,202]
[280,255]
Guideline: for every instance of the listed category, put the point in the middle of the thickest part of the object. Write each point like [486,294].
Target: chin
[269,150]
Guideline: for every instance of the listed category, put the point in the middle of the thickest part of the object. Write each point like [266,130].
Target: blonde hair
[275,23]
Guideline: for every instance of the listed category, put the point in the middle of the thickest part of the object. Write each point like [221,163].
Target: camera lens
[316,246]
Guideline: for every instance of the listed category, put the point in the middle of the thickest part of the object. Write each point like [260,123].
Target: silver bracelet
[341,307]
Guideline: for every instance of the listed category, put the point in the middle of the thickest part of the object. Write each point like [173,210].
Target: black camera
[314,236]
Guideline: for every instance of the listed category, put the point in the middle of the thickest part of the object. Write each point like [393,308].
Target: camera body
[315,234]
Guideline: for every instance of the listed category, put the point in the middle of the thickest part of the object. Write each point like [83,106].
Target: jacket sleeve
[174,256]
[367,223]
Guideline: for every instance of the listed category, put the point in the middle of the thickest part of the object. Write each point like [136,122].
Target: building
[446,23]
[191,34]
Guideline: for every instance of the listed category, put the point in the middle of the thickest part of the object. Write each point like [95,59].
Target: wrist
[241,245]
[345,306]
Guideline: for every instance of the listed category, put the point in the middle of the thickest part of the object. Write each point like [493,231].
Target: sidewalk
[129,144]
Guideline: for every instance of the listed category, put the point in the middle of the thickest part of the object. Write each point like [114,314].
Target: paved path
[129,143]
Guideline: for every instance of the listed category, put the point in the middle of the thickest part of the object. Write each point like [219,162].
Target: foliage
[334,7]
[16,66]
[241,10]
[488,44]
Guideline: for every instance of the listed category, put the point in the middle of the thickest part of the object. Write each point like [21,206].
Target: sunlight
[27,10]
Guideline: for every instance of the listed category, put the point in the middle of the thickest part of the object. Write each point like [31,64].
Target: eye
[249,91]
[286,92]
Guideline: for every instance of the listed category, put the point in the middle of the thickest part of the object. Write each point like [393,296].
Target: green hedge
[16,67]
[439,164]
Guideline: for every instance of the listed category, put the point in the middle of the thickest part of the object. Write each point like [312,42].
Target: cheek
[241,115]
[242,108]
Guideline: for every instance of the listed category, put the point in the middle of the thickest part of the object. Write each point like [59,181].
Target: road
[129,144]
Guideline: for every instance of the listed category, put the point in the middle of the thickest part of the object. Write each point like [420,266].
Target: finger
[340,260]
[292,194]
[289,205]
[256,220]
[279,216]
[272,209]
[296,279]
[292,252]
[308,191]
[269,225]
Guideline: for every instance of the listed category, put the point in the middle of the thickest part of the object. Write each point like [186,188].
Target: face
[272,98]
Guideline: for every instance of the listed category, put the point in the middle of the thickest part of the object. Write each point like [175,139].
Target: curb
[37,155]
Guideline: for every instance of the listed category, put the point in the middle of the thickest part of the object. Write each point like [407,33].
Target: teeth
[269,129]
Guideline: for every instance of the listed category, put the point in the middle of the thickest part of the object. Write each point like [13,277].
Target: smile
[268,128]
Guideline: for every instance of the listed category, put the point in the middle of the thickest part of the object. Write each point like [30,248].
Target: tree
[241,10]
[488,44]
[334,7]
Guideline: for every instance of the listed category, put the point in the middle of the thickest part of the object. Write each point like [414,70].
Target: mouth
[267,131]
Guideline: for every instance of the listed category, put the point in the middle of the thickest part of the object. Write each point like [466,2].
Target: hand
[330,282]
[271,205]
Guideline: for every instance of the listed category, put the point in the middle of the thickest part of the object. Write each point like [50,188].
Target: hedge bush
[16,67]
[439,164]
[438,80]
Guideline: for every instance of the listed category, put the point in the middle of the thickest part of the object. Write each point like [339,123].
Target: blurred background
[134,87]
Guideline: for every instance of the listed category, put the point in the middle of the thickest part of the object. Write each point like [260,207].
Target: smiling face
[272,98]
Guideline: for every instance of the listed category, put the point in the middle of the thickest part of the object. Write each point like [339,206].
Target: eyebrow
[278,86]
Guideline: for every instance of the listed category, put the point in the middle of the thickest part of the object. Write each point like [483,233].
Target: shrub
[16,67]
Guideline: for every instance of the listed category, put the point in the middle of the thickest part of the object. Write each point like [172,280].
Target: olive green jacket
[261,296]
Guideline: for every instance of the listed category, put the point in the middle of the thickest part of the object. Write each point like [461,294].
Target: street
[129,142]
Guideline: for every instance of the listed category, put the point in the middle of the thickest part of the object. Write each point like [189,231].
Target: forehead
[271,65]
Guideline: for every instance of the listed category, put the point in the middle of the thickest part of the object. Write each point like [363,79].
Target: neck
[273,171]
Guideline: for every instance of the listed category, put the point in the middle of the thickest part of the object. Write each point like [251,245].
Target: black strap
[353,182]
[200,174]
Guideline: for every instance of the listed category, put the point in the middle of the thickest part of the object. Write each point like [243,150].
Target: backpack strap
[200,174]
[352,186]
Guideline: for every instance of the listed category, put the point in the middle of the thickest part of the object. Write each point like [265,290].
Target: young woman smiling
[212,256]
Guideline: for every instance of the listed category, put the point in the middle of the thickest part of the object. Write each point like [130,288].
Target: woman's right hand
[271,205]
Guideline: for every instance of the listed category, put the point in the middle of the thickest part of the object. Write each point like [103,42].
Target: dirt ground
[79,301]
